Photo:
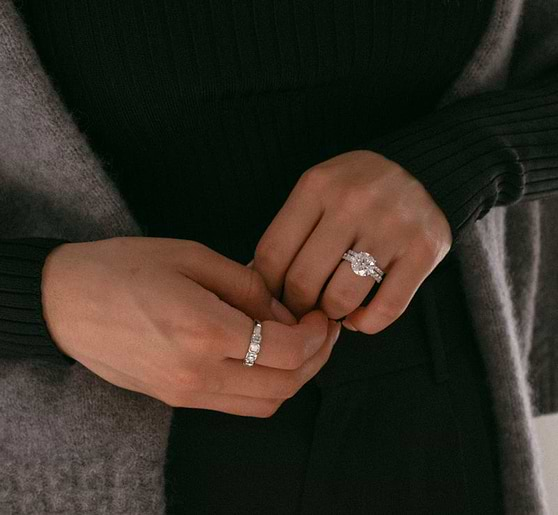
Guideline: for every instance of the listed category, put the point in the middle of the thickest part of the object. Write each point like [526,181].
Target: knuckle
[425,250]
[342,300]
[297,282]
[266,253]
[430,247]
[249,285]
[254,285]
[313,178]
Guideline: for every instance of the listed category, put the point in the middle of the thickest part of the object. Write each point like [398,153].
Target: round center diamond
[362,264]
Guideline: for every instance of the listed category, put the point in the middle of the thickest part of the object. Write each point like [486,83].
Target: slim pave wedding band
[364,264]
[254,347]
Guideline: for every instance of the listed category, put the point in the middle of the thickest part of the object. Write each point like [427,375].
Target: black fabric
[396,422]
[205,113]
[23,330]
[494,149]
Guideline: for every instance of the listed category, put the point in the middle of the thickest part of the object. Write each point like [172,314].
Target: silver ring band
[254,347]
[363,264]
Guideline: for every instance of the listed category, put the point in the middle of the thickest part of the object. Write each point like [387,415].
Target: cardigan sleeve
[490,149]
[23,330]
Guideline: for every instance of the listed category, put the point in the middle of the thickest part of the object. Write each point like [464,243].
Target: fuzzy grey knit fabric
[70,442]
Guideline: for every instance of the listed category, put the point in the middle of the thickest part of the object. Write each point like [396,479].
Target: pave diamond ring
[254,347]
[364,264]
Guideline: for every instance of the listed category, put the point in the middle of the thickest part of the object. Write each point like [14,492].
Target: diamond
[361,264]
[254,347]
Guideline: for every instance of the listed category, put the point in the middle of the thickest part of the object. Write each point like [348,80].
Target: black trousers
[396,422]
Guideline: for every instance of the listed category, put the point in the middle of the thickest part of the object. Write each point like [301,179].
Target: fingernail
[281,313]
[249,265]
[338,333]
[348,325]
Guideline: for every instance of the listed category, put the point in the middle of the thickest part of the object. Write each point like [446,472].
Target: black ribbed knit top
[206,112]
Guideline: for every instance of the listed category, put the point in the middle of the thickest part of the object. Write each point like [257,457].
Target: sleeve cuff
[489,149]
[23,329]
[457,167]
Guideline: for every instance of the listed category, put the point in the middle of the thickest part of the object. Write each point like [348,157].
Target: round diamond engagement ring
[364,264]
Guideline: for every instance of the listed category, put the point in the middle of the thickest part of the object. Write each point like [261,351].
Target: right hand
[172,319]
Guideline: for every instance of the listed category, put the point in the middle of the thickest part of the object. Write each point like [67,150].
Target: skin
[171,318]
[364,201]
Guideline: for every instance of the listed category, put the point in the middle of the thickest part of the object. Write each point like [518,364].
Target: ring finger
[231,377]
[346,290]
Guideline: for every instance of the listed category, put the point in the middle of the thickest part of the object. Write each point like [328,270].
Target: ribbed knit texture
[64,429]
[495,149]
[261,90]
[487,151]
[23,330]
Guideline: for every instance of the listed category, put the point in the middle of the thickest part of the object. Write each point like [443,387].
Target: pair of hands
[171,318]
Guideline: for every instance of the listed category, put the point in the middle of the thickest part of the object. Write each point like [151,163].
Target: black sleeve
[23,330]
[490,149]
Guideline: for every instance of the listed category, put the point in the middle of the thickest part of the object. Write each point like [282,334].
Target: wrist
[52,299]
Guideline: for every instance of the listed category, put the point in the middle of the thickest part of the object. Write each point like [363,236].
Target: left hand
[363,201]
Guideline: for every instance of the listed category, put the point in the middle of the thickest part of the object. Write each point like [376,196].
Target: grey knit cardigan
[71,442]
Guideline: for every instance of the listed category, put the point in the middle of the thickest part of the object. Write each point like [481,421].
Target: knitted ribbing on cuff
[492,149]
[23,329]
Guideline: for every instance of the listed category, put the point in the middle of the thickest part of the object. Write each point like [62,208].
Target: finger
[316,261]
[285,236]
[177,395]
[234,283]
[264,382]
[346,290]
[403,278]
[222,331]
[282,346]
